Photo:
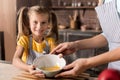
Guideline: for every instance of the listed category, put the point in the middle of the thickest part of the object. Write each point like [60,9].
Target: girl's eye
[43,23]
[35,22]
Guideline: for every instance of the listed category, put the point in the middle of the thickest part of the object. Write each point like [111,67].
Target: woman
[108,12]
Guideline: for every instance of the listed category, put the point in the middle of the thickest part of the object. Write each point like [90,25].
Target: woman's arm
[94,42]
[106,57]
[70,47]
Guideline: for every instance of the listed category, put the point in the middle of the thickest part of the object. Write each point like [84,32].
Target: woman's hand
[35,72]
[75,68]
[64,48]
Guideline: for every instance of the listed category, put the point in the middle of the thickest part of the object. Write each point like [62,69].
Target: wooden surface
[9,72]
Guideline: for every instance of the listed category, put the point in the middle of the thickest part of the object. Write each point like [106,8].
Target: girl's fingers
[33,67]
[40,75]
[37,73]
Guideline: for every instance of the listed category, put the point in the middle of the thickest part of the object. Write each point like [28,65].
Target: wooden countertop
[9,72]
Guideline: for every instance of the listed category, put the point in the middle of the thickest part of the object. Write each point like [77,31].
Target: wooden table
[9,72]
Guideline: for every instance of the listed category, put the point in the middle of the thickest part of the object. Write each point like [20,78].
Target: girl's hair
[23,21]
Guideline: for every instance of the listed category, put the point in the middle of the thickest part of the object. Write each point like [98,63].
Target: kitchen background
[77,19]
[81,10]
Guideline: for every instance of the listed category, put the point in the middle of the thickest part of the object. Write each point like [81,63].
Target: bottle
[78,22]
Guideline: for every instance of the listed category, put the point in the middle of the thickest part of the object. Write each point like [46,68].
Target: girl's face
[38,23]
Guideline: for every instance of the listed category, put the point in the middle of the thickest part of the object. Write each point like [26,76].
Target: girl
[33,24]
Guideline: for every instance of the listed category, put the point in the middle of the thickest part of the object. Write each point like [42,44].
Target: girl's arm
[20,64]
[17,59]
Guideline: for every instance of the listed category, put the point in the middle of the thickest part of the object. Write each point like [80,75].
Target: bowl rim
[50,55]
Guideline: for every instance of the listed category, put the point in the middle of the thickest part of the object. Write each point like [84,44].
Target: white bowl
[49,64]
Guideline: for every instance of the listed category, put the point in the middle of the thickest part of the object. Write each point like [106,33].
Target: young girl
[33,24]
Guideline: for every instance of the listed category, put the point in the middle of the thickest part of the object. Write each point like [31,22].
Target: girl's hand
[74,69]
[35,72]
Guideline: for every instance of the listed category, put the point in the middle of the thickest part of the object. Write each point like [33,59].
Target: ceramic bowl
[49,64]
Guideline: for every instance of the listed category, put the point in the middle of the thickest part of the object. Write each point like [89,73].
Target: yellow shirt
[38,47]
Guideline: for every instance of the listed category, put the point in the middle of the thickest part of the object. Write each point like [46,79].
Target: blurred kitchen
[77,19]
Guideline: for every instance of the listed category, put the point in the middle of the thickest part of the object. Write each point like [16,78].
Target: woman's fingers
[55,49]
[60,55]
[72,69]
[65,74]
[60,48]
[67,71]
[68,67]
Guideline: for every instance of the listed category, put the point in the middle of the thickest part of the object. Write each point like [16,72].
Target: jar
[94,4]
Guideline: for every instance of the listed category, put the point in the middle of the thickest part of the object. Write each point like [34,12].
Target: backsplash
[87,16]
[64,9]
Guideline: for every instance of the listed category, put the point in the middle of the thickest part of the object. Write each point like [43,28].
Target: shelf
[69,7]
[79,31]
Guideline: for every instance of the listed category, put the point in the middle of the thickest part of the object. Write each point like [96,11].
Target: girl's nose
[39,25]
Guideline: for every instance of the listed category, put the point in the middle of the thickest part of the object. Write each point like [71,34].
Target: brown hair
[23,21]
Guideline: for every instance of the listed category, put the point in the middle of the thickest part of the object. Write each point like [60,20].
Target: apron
[110,24]
[33,54]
